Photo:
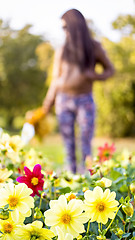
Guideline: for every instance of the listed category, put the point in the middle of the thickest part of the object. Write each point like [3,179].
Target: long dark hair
[78,48]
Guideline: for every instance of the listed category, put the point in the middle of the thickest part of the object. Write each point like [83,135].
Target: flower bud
[132,188]
[92,171]
[4,214]
[85,189]
[128,209]
[37,215]
[120,231]
[43,195]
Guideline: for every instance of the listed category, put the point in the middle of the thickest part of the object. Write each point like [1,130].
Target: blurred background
[30,31]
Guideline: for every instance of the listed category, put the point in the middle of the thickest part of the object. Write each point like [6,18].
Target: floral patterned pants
[71,109]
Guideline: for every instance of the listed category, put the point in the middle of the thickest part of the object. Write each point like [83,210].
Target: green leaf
[126,235]
[6,206]
[65,190]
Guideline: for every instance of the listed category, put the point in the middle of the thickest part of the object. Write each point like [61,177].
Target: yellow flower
[33,231]
[62,236]
[100,205]
[15,143]
[8,229]
[124,157]
[31,159]
[70,180]
[70,196]
[104,182]
[4,142]
[11,144]
[4,176]
[67,216]
[56,182]
[19,199]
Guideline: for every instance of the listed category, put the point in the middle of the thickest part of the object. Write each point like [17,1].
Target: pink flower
[106,152]
[33,180]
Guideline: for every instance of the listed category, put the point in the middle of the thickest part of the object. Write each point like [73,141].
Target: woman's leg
[85,118]
[66,121]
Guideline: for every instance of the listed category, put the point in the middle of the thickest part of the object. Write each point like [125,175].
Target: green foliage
[126,23]
[115,98]
[21,78]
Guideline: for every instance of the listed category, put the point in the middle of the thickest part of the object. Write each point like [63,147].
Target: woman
[73,78]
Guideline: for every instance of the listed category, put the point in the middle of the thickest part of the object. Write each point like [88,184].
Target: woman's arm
[51,94]
[102,58]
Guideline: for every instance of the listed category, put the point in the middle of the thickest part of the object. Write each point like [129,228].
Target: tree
[116,97]
[22,81]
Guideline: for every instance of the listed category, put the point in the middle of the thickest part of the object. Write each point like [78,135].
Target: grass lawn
[52,147]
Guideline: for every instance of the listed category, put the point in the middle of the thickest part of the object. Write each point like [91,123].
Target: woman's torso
[74,81]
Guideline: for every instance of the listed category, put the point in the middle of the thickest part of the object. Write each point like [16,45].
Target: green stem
[88,227]
[113,218]
[54,193]
[99,226]
[40,203]
[128,229]
[129,226]
[32,214]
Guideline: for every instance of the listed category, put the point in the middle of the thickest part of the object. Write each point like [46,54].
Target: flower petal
[51,218]
[27,171]
[37,170]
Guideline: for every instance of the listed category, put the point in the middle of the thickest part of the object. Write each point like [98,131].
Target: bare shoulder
[58,52]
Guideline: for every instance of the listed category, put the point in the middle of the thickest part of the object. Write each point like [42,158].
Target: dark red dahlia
[33,179]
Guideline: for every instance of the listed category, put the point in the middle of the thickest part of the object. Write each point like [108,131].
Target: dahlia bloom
[104,182]
[8,229]
[62,236]
[33,180]
[33,231]
[67,216]
[4,176]
[99,205]
[19,200]
[106,152]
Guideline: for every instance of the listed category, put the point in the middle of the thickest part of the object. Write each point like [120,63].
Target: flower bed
[37,203]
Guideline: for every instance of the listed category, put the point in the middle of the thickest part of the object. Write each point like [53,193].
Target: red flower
[92,171]
[33,180]
[106,152]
